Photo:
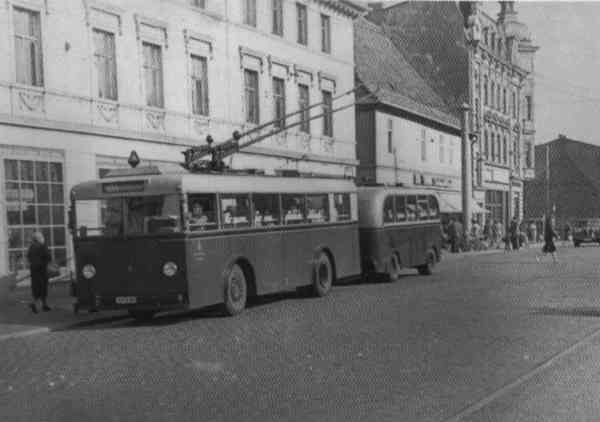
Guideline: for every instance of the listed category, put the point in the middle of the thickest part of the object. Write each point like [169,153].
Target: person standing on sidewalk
[39,258]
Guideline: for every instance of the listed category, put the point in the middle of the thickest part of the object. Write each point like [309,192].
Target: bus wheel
[141,316]
[394,267]
[236,290]
[427,268]
[322,275]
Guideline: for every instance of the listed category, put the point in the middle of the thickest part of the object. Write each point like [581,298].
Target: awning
[451,203]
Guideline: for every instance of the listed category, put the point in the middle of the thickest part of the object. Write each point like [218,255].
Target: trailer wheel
[427,267]
[236,290]
[322,274]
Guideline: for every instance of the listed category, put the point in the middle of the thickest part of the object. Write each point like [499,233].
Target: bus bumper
[165,301]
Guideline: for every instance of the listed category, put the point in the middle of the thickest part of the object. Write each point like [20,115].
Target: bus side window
[202,211]
[433,207]
[235,211]
[293,208]
[400,208]
[266,209]
[422,208]
[388,210]
[317,207]
[341,207]
[411,208]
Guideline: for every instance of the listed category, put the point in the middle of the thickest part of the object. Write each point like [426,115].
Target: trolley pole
[467,184]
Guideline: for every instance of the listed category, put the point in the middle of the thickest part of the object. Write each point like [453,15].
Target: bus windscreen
[131,215]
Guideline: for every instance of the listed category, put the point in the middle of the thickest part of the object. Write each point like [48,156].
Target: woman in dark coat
[39,258]
[549,236]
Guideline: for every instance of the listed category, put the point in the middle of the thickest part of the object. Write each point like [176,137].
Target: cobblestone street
[421,349]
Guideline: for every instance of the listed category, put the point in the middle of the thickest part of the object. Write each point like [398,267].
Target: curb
[25,333]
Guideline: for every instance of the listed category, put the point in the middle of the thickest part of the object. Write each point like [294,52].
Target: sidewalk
[17,319]
[456,255]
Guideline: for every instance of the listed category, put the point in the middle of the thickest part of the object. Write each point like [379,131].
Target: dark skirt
[549,247]
[39,283]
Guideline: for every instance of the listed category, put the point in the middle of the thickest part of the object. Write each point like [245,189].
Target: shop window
[34,202]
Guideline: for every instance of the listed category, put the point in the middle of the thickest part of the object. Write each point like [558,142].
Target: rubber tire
[142,316]
[322,278]
[235,293]
[394,268]
[427,268]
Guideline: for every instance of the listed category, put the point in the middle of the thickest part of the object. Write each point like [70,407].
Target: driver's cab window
[202,214]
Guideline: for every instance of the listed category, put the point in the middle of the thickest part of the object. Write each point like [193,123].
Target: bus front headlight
[88,271]
[169,269]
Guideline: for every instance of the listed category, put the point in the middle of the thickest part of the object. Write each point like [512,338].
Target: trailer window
[400,208]
[433,207]
[411,208]
[388,210]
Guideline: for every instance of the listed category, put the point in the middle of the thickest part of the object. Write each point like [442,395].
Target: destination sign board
[124,187]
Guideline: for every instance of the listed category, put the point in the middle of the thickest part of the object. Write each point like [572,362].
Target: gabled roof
[382,68]
[431,36]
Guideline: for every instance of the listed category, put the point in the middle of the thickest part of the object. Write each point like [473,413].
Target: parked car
[586,231]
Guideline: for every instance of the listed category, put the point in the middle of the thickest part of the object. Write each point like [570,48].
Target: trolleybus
[150,241]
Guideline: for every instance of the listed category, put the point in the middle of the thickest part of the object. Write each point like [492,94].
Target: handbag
[53,270]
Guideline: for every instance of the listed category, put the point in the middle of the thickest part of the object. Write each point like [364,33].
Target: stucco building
[84,82]
[406,134]
[493,74]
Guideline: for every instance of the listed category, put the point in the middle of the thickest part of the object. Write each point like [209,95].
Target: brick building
[567,181]
[84,82]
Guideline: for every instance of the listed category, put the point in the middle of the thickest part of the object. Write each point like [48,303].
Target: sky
[567,67]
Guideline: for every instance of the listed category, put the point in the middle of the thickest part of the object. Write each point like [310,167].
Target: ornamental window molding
[199,44]
[251,59]
[151,30]
[103,16]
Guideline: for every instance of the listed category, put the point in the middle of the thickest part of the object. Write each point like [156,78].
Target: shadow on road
[582,311]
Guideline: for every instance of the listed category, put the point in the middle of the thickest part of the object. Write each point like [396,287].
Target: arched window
[492,93]
[493,141]
[505,152]
[486,145]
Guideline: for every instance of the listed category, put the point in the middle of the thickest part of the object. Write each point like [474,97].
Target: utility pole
[467,184]
[547,207]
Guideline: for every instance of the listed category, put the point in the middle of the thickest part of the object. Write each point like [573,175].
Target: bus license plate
[126,300]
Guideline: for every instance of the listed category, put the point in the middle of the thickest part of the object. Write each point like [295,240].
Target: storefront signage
[124,187]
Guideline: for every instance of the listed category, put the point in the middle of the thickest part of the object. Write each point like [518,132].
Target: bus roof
[170,183]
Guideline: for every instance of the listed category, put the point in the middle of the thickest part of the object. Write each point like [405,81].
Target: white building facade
[84,83]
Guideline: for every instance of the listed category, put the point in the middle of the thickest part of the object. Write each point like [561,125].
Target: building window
[279,102]
[303,103]
[442,152]
[493,41]
[498,97]
[250,12]
[498,148]
[504,151]
[34,202]
[199,76]
[390,135]
[514,105]
[277,6]
[450,151]
[327,113]
[529,107]
[199,3]
[105,64]
[153,75]
[28,47]
[302,24]
[515,154]
[493,144]
[423,145]
[528,155]
[251,95]
[504,100]
[485,91]
[492,93]
[486,145]
[325,34]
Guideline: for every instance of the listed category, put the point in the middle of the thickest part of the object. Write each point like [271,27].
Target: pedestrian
[452,236]
[39,258]
[513,231]
[499,233]
[549,236]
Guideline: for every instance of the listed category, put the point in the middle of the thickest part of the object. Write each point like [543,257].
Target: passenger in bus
[228,215]
[198,217]
[258,219]
[293,215]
